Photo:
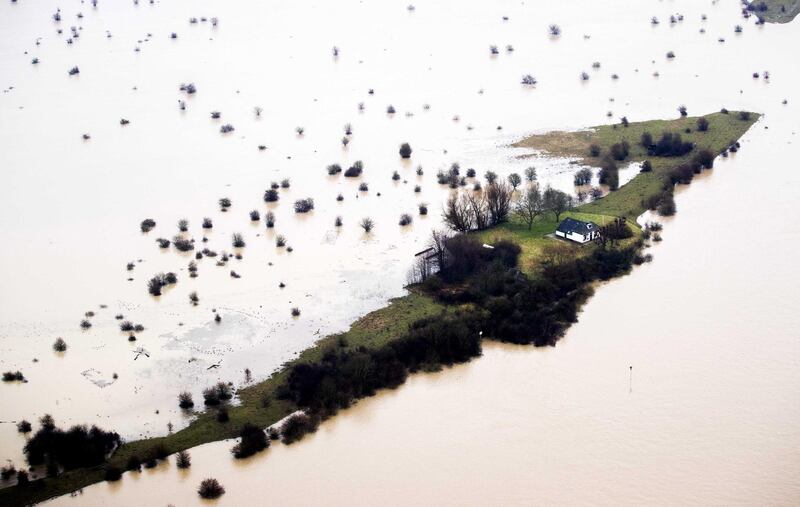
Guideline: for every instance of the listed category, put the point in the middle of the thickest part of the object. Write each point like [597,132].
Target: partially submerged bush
[269,219]
[225,203]
[24,426]
[255,215]
[367,224]
[185,400]
[147,225]
[354,170]
[405,150]
[280,240]
[334,169]
[13,376]
[60,345]
[207,223]
[296,426]
[210,488]
[271,195]
[303,205]
[163,242]
[406,219]
[237,240]
[423,208]
[182,244]
[295,312]
[211,396]
[253,440]
[183,460]
[77,447]
[112,473]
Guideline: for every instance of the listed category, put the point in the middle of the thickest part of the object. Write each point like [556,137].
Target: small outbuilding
[577,230]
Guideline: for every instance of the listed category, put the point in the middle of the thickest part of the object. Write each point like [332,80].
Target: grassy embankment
[779,11]
[382,326]
[627,201]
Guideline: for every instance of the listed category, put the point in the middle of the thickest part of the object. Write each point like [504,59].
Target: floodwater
[709,413]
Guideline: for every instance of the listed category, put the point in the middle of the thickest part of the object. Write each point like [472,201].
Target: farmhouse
[577,230]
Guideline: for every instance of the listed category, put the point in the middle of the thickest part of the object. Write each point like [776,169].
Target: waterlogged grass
[627,201]
[372,331]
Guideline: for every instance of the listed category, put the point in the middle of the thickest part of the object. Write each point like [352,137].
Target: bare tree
[557,201]
[457,214]
[498,201]
[478,208]
[514,180]
[530,205]
[367,224]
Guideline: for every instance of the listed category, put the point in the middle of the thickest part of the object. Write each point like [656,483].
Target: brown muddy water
[708,415]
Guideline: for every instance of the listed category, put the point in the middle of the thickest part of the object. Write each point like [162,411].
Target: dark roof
[570,225]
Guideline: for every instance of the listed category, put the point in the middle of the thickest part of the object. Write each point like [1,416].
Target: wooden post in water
[630,379]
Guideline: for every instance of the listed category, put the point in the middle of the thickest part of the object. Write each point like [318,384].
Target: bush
[296,426]
[583,177]
[338,221]
[354,170]
[620,151]
[704,158]
[682,174]
[528,80]
[7,472]
[269,219]
[285,183]
[163,242]
[13,376]
[670,145]
[666,205]
[367,224]
[405,219]
[303,205]
[222,415]
[210,488]
[280,241]
[423,208]
[237,240]
[295,312]
[646,167]
[271,195]
[594,150]
[207,224]
[60,345]
[224,203]
[702,124]
[183,460]
[211,397]
[147,225]
[182,244]
[253,440]
[395,176]
[112,473]
[85,324]
[24,426]
[134,463]
[255,216]
[405,150]
[682,110]
[744,115]
[363,187]
[185,400]
[77,447]
[183,225]
[334,169]
[490,176]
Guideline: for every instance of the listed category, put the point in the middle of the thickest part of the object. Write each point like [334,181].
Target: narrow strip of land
[437,323]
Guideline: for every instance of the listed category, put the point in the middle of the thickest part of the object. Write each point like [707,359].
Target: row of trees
[471,211]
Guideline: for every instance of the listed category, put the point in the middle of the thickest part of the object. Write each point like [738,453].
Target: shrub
[226,129]
[185,400]
[420,172]
[338,221]
[583,177]
[624,121]
[255,216]
[584,76]
[225,203]
[354,170]
[417,189]
[182,244]
[22,478]
[303,205]
[210,489]
[339,197]
[222,415]
[207,224]
[60,345]
[134,463]
[395,176]
[85,324]
[666,205]
[211,396]
[528,80]
[390,109]
[271,195]
[296,426]
[183,225]
[7,472]
[183,460]
[285,183]
[12,376]
[224,391]
[620,151]
[670,145]
[24,426]
[237,240]
[147,225]
[682,110]
[405,150]
[514,180]
[423,208]
[744,115]
[280,240]
[269,219]
[405,219]
[594,150]
[646,167]
[554,30]
[77,447]
[363,187]
[490,176]
[682,174]
[253,440]
[367,224]
[112,473]
[702,124]
[163,242]
[334,169]
[704,158]
[295,312]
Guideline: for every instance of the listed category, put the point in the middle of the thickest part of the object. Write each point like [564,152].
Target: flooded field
[710,414]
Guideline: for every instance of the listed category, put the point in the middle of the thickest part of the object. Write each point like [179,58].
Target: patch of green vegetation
[371,331]
[778,11]
[627,201]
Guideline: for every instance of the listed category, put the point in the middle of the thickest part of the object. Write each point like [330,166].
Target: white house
[577,230]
